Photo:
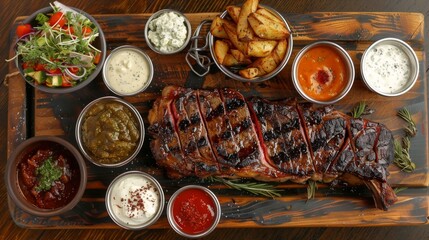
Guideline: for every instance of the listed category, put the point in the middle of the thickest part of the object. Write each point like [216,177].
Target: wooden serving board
[36,113]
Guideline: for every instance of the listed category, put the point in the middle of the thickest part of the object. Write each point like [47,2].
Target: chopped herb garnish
[47,173]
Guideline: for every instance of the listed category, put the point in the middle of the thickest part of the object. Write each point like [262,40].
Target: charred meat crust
[220,133]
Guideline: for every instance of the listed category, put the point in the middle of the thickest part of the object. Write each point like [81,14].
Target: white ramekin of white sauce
[134,200]
[127,71]
[389,67]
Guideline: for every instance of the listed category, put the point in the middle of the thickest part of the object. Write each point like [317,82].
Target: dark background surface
[10,9]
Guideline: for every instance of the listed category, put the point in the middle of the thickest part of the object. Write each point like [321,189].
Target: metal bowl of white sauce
[134,200]
[127,71]
[389,67]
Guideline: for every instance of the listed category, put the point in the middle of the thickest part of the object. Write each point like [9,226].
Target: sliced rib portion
[166,147]
[219,133]
[192,133]
[251,159]
[282,137]
[326,132]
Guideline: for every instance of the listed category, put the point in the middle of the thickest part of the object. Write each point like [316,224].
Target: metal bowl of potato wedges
[251,43]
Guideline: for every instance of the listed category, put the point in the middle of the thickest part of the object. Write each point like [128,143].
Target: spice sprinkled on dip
[134,200]
[127,71]
[387,68]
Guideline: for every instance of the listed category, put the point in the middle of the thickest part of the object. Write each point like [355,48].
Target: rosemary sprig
[311,189]
[410,129]
[402,155]
[361,109]
[399,189]
[264,189]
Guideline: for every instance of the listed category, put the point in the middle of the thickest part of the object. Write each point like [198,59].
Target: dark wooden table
[11,9]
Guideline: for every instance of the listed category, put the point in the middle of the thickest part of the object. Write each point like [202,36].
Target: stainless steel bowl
[156,15]
[110,196]
[346,58]
[81,118]
[173,223]
[100,43]
[414,66]
[235,75]
[129,48]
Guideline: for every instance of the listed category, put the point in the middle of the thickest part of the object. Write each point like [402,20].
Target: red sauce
[322,73]
[60,191]
[194,211]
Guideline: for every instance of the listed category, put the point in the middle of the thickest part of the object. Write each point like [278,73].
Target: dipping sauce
[110,132]
[387,68]
[168,32]
[194,211]
[322,73]
[127,71]
[134,199]
[49,176]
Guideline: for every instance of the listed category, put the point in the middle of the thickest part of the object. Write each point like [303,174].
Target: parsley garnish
[47,173]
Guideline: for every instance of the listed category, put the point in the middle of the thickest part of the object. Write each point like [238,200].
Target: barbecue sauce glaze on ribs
[220,133]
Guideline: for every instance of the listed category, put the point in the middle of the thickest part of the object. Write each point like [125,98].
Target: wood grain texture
[11,9]
[55,114]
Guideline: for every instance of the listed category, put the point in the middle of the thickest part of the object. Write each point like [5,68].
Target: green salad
[58,51]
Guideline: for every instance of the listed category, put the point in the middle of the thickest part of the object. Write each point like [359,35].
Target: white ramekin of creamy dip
[134,200]
[127,71]
[389,67]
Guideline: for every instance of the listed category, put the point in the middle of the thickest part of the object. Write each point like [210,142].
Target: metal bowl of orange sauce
[323,72]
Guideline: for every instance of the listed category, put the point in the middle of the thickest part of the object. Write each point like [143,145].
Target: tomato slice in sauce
[194,211]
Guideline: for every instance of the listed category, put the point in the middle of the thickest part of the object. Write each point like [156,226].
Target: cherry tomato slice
[73,70]
[66,81]
[86,31]
[39,67]
[23,29]
[97,58]
[57,19]
[54,71]
[26,65]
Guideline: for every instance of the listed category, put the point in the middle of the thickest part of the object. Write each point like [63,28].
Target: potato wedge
[241,58]
[230,29]
[234,12]
[216,29]
[260,48]
[230,60]
[249,73]
[264,65]
[244,31]
[221,49]
[266,28]
[266,13]
[279,52]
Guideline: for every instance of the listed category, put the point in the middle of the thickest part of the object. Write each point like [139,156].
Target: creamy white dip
[127,71]
[134,199]
[387,68]
[167,32]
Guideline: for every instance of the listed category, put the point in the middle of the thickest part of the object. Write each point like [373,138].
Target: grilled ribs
[220,133]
